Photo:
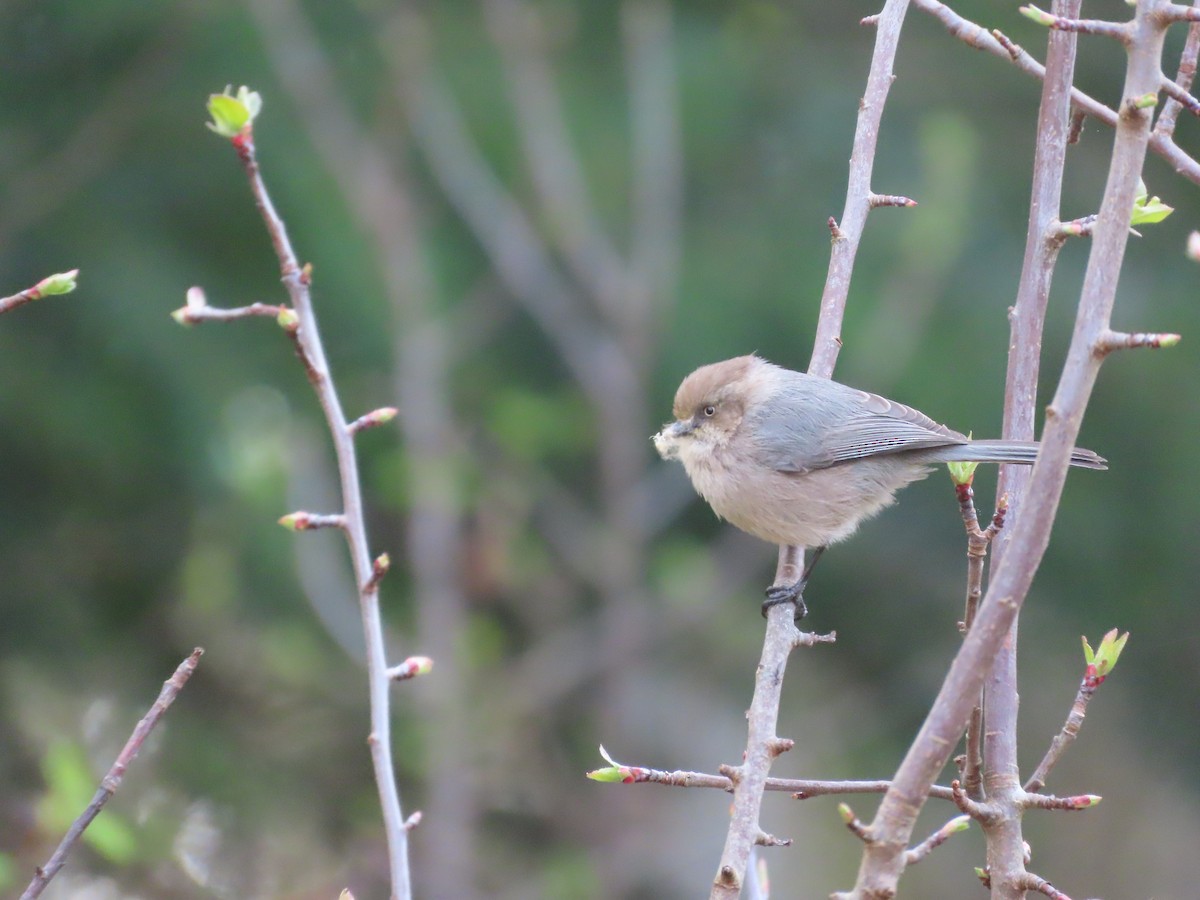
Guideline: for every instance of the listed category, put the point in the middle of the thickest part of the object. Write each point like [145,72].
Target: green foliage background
[143,465]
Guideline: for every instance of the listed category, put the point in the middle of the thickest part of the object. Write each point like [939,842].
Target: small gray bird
[796,459]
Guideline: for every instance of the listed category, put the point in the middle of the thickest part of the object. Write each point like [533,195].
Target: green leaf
[231,114]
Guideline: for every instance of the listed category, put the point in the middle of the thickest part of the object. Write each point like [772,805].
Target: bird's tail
[1021,452]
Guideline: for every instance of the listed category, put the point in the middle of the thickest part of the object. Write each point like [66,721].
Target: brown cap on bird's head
[712,382]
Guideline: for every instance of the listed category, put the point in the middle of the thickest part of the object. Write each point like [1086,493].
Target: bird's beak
[666,442]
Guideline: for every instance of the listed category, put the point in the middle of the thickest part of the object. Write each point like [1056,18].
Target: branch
[781,635]
[799,788]
[1118,31]
[935,840]
[883,860]
[1099,664]
[300,324]
[848,230]
[1110,340]
[1031,882]
[762,746]
[1000,46]
[1186,74]
[1003,832]
[116,774]
[977,546]
[61,283]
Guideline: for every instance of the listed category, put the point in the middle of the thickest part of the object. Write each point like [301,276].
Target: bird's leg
[793,593]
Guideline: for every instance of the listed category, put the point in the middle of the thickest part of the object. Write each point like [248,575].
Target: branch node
[763,839]
[1081,227]
[834,231]
[811,638]
[306,521]
[875,200]
[778,746]
[1030,882]
[410,668]
[939,837]
[379,567]
[1078,118]
[983,813]
[373,419]
[1119,340]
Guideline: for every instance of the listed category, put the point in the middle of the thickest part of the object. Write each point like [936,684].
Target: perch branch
[116,774]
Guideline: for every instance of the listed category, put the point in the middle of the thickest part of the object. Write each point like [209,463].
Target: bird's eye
[710,411]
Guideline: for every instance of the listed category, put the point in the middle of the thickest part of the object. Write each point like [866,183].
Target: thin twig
[62,283]
[1031,882]
[978,540]
[308,344]
[112,780]
[1003,831]
[750,778]
[935,840]
[799,788]
[1065,736]
[1118,31]
[373,177]
[8,304]
[998,45]
[1185,75]
[1120,340]
[1074,803]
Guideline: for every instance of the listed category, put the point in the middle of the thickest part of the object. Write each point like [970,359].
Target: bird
[795,459]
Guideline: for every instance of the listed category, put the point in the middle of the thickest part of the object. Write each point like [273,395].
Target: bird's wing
[802,433]
[885,426]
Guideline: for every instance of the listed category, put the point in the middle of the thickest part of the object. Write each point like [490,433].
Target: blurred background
[528,221]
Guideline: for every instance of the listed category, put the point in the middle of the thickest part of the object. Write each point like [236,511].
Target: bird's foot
[786,593]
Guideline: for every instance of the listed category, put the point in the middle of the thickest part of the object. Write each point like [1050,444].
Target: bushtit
[796,459]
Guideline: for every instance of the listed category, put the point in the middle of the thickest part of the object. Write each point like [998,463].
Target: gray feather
[811,423]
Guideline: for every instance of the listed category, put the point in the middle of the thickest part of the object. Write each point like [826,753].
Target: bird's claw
[786,593]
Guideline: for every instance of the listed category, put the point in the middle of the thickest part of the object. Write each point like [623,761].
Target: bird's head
[709,407]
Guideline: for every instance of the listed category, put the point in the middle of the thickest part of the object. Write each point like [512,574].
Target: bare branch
[858,190]
[301,326]
[751,777]
[1184,77]
[876,200]
[116,774]
[1026,544]
[780,635]
[935,840]
[1000,46]
[189,315]
[1065,737]
[1074,803]
[1120,340]
[61,283]
[1031,882]
[1171,13]
[1118,31]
